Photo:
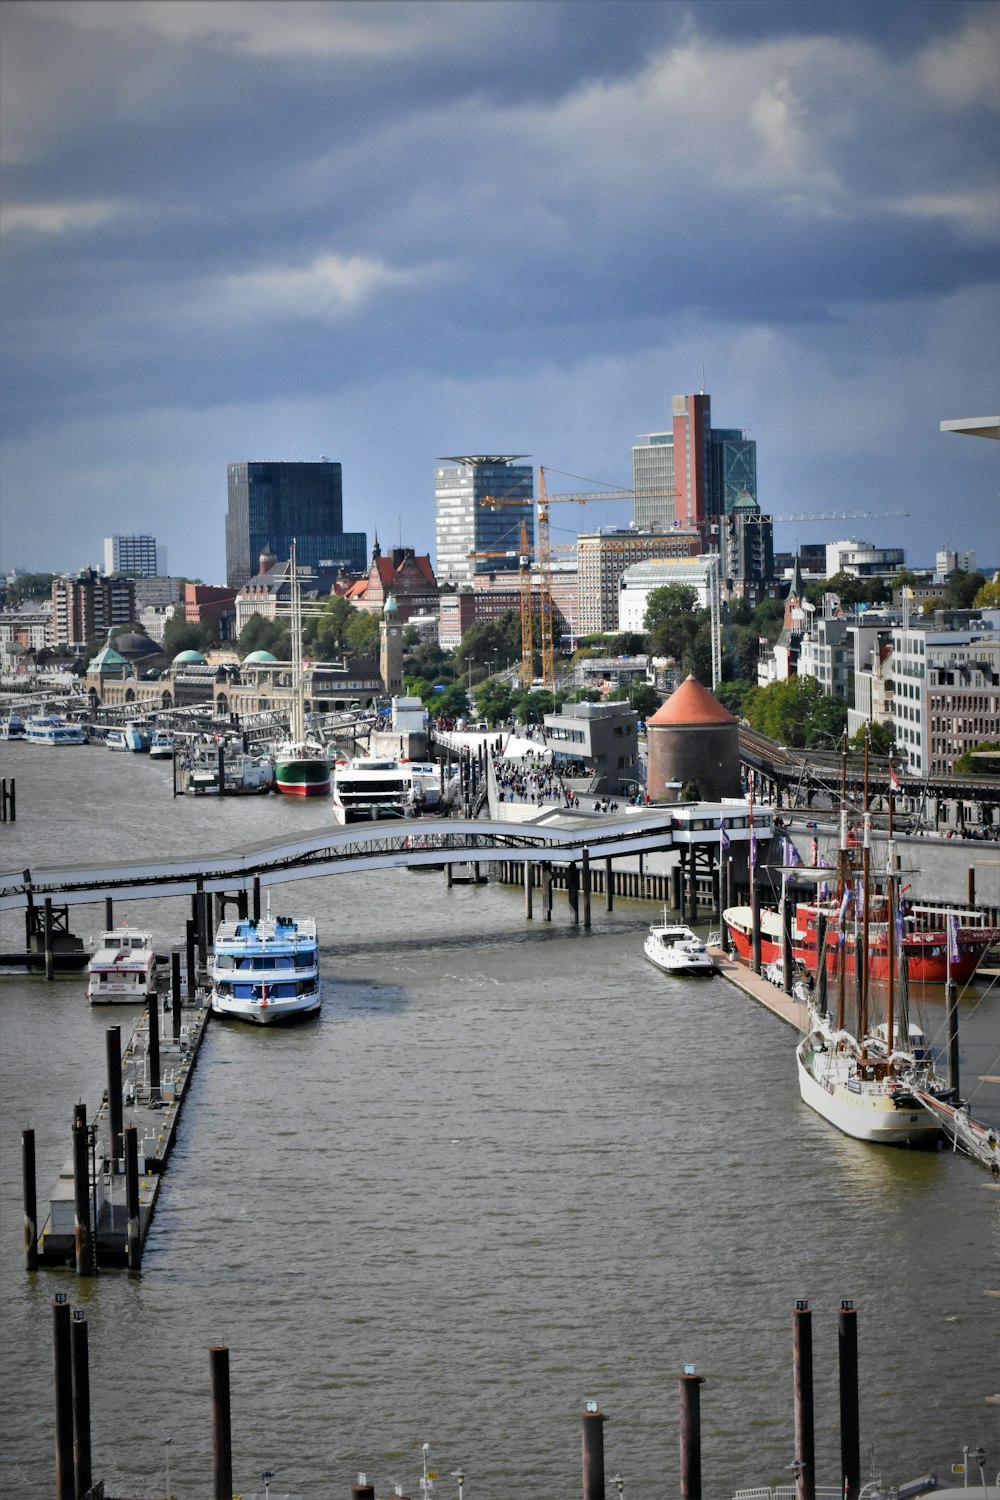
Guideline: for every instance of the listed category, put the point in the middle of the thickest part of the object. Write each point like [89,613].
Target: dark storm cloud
[231,207]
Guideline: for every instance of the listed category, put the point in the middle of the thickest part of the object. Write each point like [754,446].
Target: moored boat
[675,949]
[366,789]
[266,970]
[242,774]
[122,969]
[12,727]
[300,769]
[864,1076]
[161,746]
[926,952]
[53,729]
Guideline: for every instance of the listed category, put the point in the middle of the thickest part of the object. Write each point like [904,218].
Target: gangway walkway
[555,835]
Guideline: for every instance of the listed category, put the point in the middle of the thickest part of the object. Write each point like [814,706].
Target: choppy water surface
[509,1168]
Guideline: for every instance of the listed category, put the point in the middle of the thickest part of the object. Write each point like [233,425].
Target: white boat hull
[674,959]
[266,1012]
[864,1111]
[266,970]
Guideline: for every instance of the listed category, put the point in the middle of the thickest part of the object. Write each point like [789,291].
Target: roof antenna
[703,380]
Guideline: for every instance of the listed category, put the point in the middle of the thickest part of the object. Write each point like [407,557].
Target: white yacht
[266,970]
[675,949]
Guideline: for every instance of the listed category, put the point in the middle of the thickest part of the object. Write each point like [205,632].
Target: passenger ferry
[53,729]
[369,788]
[161,746]
[266,969]
[122,970]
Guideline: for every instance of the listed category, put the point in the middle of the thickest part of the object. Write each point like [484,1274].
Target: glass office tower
[272,503]
[464,523]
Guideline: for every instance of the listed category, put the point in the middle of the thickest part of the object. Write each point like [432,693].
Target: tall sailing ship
[300,769]
[865,1072]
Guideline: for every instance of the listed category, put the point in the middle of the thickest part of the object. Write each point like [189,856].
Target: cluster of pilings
[101,1230]
[676,887]
[72,1401]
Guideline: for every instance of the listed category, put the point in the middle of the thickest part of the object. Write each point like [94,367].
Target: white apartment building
[602,558]
[862,559]
[639,581]
[946,694]
[139,555]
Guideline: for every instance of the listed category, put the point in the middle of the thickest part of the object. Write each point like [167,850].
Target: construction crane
[523,555]
[842,515]
[544,554]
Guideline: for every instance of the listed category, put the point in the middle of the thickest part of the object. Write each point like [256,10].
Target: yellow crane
[544,552]
[523,555]
[545,556]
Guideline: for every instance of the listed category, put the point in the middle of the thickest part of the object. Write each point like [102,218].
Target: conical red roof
[692,704]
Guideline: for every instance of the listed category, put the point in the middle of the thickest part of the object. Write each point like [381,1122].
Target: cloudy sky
[383,232]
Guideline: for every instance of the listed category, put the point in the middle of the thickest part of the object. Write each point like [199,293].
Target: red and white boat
[926,953]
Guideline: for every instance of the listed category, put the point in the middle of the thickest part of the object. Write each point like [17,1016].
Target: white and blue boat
[266,970]
[12,727]
[53,729]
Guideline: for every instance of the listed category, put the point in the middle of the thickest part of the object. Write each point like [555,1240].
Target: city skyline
[379,233]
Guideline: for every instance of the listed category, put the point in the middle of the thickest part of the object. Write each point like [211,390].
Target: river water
[509,1168]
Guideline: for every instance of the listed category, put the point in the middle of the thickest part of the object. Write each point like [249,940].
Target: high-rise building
[693,473]
[465,524]
[272,504]
[603,556]
[89,605]
[746,545]
[139,555]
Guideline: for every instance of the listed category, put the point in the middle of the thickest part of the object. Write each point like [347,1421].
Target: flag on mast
[894,781]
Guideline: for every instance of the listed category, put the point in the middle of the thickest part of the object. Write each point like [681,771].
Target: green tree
[178,636]
[881,738]
[930,606]
[495,700]
[988,596]
[492,642]
[904,578]
[327,632]
[733,694]
[961,588]
[966,765]
[532,704]
[453,703]
[796,712]
[769,618]
[673,621]
[261,634]
[851,591]
[29,586]
[361,634]
[667,602]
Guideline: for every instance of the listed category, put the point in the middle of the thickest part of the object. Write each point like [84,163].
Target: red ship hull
[926,952]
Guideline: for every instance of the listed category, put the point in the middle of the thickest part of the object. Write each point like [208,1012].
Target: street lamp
[267,1475]
[460,1476]
[166,1460]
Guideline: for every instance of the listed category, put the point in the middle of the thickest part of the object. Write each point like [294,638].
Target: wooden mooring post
[8,804]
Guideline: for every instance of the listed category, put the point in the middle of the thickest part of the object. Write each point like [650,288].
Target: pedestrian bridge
[556,835]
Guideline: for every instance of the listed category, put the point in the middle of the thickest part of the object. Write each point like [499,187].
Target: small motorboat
[675,949]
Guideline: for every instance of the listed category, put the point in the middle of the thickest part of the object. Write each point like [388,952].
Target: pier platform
[771,996]
[155,1115]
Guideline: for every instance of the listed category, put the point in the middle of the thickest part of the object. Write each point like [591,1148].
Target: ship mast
[861,958]
[842,861]
[297,716]
[891,933]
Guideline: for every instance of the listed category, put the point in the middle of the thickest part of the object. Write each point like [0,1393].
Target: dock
[758,988]
[153,1076]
